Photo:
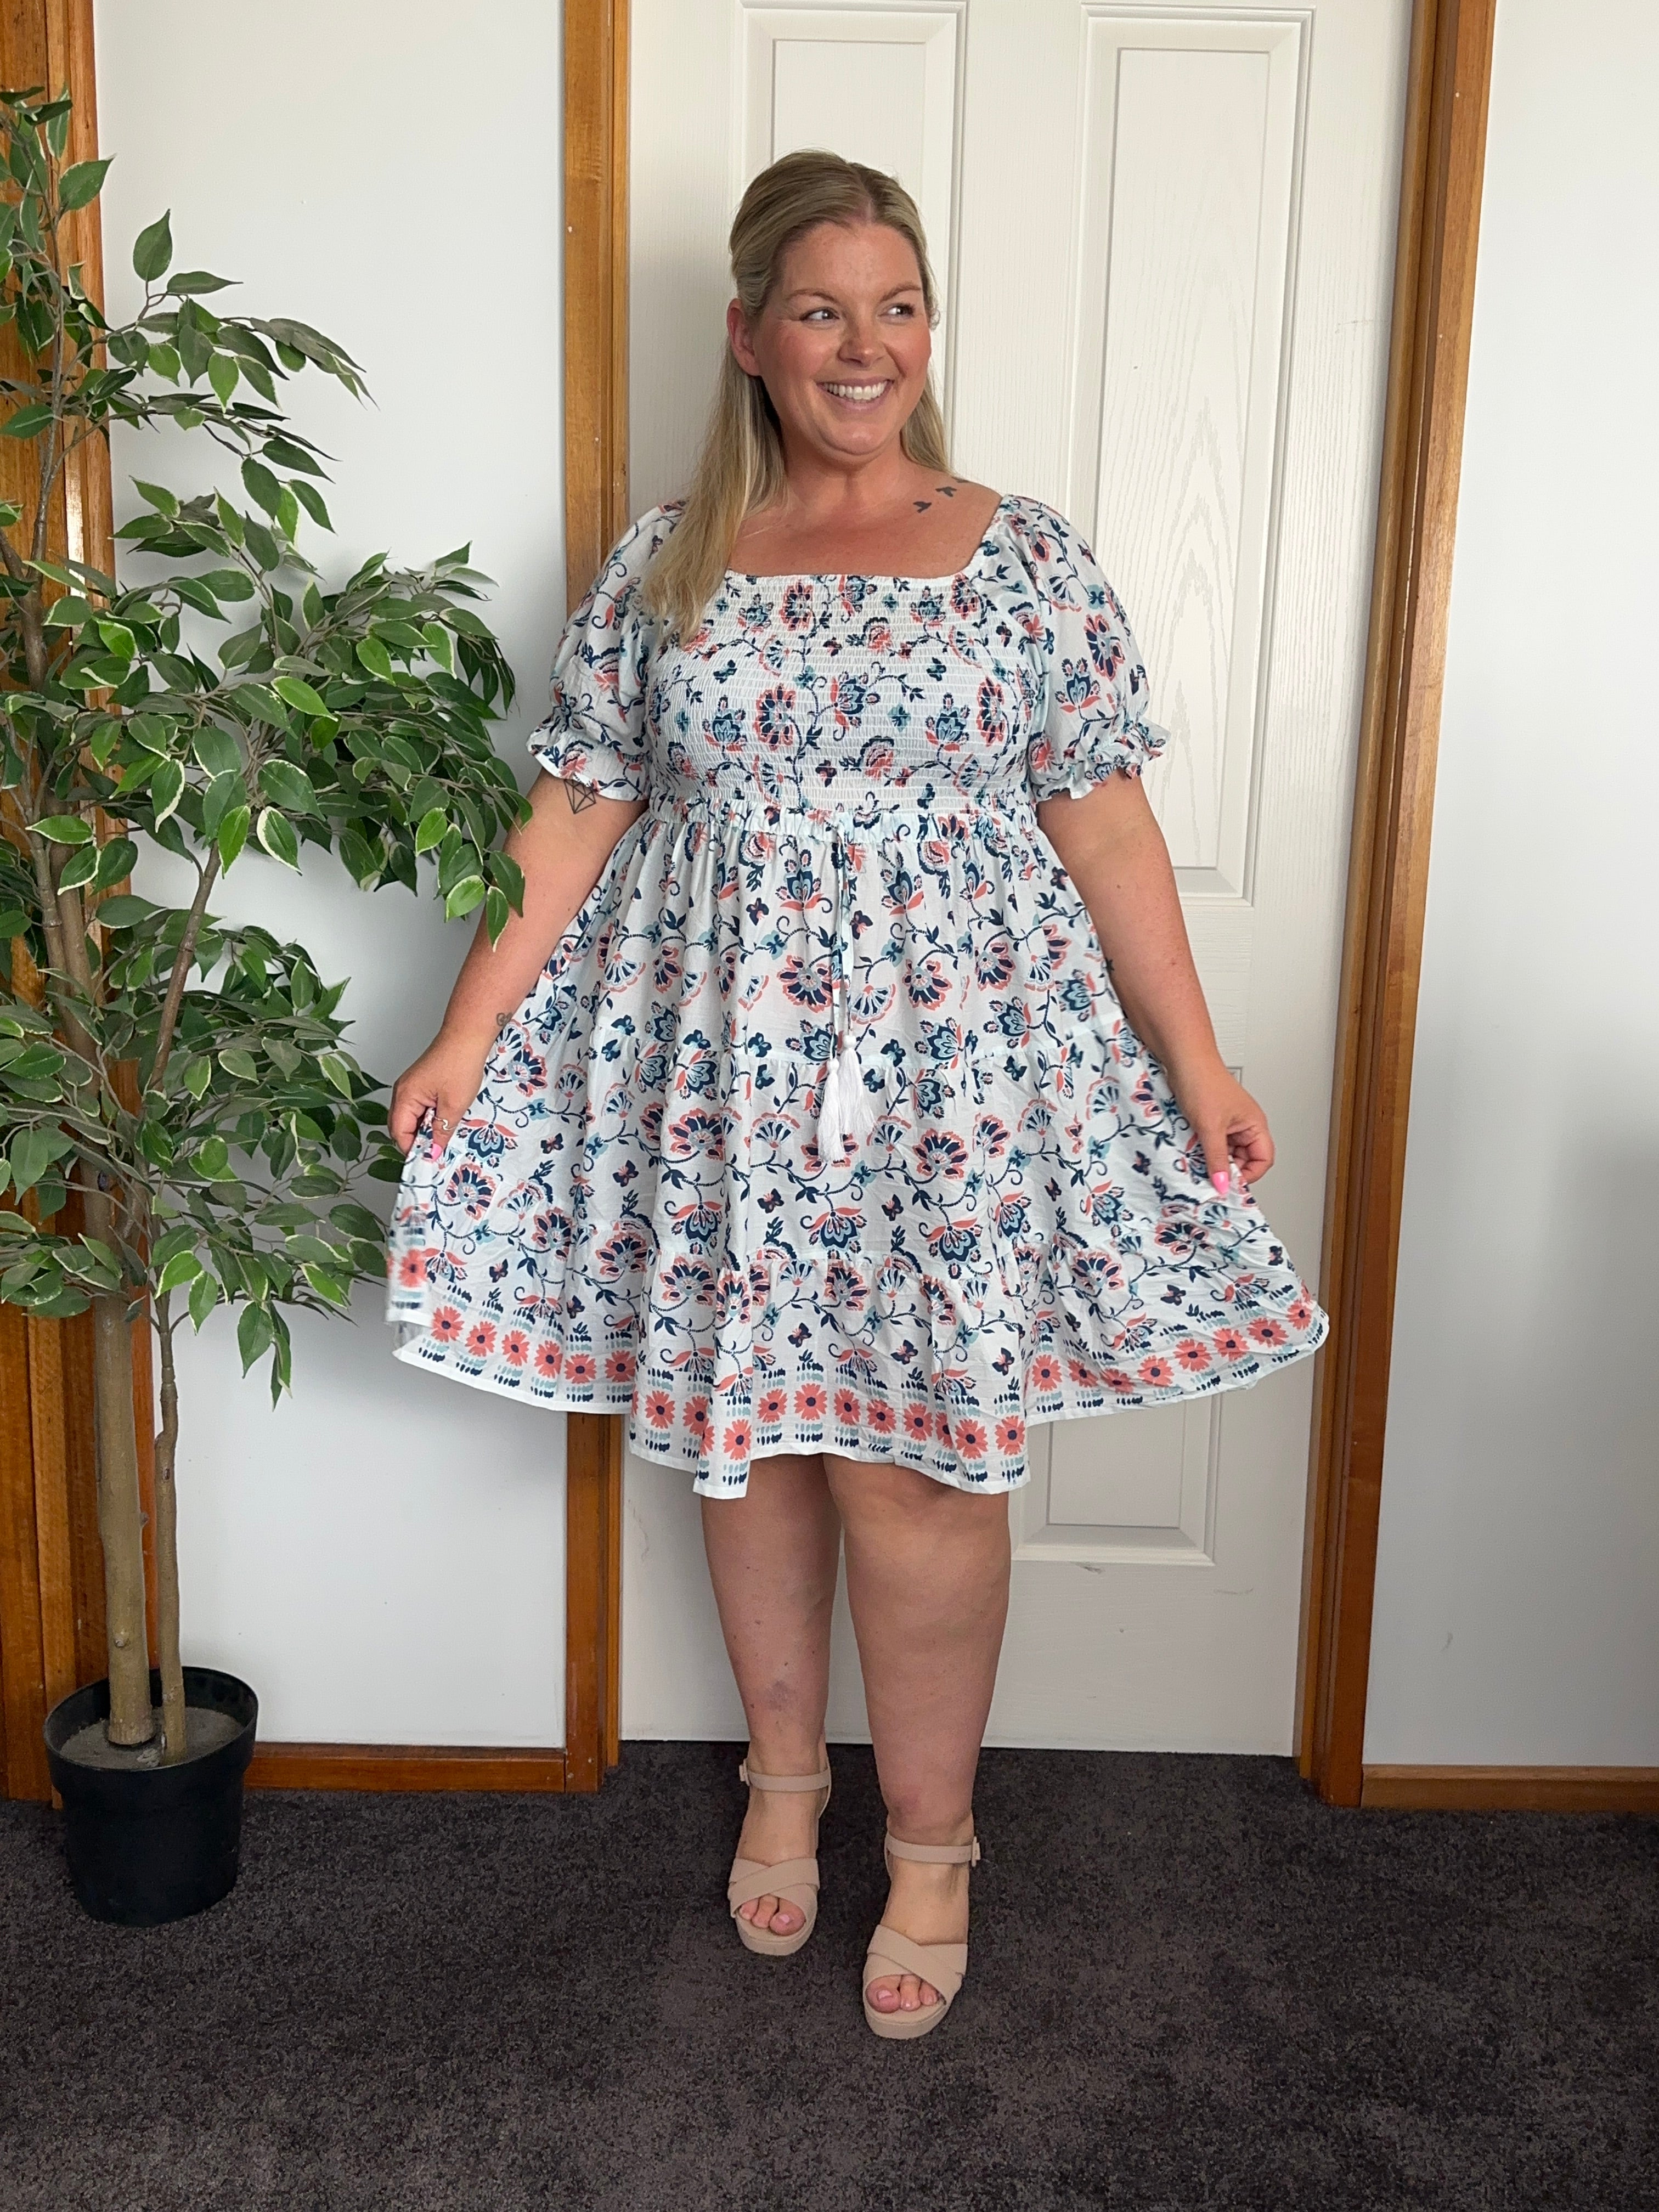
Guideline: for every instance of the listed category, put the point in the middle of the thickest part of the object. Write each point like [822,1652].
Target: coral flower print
[837,857]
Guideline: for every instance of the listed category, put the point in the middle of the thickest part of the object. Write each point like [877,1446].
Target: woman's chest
[794,684]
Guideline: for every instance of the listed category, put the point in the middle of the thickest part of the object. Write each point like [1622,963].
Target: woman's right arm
[562,850]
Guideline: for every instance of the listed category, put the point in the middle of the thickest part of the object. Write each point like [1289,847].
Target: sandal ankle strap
[933,1853]
[819,1781]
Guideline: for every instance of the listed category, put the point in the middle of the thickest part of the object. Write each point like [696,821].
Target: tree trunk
[173,1719]
[120,1520]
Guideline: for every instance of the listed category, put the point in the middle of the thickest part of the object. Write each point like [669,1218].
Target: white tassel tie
[846,1108]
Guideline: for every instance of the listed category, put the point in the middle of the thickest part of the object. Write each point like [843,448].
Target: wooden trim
[52,1632]
[595,286]
[593,1447]
[1434,291]
[1512,1788]
[403,1766]
[596,513]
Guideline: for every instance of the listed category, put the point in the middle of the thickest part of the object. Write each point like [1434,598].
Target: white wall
[382,1558]
[1518,1599]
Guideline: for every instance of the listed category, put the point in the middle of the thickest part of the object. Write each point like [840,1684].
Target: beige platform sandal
[797,1879]
[945,1965]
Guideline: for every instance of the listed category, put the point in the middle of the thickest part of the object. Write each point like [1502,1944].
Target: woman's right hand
[444,1080]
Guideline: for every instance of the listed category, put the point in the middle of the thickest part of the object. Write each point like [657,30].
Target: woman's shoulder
[1043,530]
[633,551]
[1051,548]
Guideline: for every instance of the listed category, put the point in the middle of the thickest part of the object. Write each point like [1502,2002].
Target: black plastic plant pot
[154,1844]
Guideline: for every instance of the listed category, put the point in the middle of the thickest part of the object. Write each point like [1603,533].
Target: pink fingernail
[435,1150]
[1220,1183]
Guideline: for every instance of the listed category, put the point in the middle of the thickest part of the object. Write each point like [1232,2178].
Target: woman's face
[842,344]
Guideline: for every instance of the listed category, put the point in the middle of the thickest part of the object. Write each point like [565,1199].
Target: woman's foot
[781,1824]
[928,1904]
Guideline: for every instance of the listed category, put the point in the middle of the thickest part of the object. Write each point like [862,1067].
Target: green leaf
[165,361]
[195,595]
[79,869]
[431,829]
[496,913]
[65,830]
[277,835]
[191,281]
[211,1158]
[216,750]
[311,500]
[198,1073]
[124,912]
[152,249]
[232,834]
[466,895]
[79,186]
[374,657]
[154,735]
[288,787]
[224,375]
[226,791]
[32,1151]
[336,1071]
[262,487]
[253,1334]
[262,545]
[159,496]
[167,788]
[439,645]
[203,1296]
[240,1063]
[228,583]
[299,694]
[183,1268]
[116,859]
[28,422]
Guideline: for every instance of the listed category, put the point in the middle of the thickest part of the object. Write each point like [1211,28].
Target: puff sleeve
[1091,709]
[595,731]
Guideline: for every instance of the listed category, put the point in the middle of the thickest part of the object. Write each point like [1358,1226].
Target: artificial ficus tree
[180,1086]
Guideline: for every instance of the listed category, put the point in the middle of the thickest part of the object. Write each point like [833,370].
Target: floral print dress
[839,872]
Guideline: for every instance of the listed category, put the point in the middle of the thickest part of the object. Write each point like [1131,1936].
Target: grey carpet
[1192,1986]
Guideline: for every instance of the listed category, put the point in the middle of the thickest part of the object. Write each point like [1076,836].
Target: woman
[798,1116]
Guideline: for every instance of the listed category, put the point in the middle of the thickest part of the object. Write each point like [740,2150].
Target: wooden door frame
[1450,75]
[1443,159]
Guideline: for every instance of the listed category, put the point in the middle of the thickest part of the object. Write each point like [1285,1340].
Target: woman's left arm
[1110,845]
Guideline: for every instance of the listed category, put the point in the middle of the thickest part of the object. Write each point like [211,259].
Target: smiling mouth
[858,395]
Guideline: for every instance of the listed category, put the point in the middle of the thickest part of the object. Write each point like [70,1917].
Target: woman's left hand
[1231,1128]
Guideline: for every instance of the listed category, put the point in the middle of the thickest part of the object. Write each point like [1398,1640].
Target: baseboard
[402,1766]
[1512,1788]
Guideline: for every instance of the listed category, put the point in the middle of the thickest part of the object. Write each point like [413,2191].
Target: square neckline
[868,576]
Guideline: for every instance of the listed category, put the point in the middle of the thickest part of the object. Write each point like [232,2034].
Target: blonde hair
[740,467]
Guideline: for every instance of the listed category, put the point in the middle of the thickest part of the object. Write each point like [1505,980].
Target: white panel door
[1164,241]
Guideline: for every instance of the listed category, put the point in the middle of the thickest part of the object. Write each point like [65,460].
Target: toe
[910,2000]
[883,1996]
[786,1919]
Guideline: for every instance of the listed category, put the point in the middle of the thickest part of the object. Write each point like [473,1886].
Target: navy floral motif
[841,774]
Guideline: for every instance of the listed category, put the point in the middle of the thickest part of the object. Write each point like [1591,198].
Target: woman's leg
[772,1557]
[927,1580]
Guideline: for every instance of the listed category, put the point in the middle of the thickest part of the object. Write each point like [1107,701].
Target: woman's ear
[737,332]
